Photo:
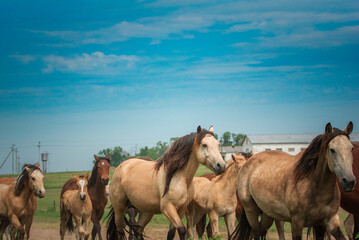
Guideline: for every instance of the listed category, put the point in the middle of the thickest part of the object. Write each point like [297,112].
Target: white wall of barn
[291,148]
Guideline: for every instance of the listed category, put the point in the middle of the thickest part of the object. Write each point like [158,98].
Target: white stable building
[289,143]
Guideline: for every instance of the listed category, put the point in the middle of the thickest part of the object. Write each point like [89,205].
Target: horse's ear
[199,129]
[328,129]
[233,157]
[87,176]
[211,129]
[38,164]
[74,177]
[108,157]
[348,130]
[96,158]
[237,153]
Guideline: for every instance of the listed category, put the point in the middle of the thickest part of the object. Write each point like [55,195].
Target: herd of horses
[306,190]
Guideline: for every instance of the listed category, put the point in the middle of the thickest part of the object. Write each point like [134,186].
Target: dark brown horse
[96,189]
[350,200]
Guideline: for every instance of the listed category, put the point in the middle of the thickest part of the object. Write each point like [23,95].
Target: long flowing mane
[23,177]
[94,173]
[177,156]
[308,161]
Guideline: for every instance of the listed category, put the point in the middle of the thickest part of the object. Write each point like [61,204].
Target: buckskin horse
[300,189]
[162,186]
[16,205]
[97,191]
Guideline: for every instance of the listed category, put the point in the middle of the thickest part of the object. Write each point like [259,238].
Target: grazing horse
[162,186]
[77,204]
[97,185]
[17,204]
[217,198]
[300,189]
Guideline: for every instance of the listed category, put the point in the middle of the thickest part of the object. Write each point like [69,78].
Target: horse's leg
[333,226]
[171,213]
[252,213]
[213,217]
[143,219]
[15,221]
[230,219]
[348,224]
[280,229]
[79,226]
[297,228]
[356,227]
[64,215]
[201,226]
[191,209]
[87,228]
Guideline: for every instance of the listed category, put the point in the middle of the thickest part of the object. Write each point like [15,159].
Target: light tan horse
[17,202]
[77,204]
[32,206]
[300,189]
[162,186]
[216,197]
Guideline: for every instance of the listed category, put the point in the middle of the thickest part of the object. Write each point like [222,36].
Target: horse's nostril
[344,180]
[218,165]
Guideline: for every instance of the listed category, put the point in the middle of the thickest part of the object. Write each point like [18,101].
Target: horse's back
[69,185]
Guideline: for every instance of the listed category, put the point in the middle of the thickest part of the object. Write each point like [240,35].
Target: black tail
[70,224]
[243,229]
[112,231]
[201,226]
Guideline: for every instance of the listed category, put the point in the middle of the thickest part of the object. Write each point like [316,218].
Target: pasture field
[47,216]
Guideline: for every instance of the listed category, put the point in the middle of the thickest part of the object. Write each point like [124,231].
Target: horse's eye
[332,150]
[204,145]
[33,179]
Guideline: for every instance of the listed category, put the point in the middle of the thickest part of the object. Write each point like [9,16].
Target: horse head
[35,178]
[103,168]
[339,155]
[81,182]
[207,151]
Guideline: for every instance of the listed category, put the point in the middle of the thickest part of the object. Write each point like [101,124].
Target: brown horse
[76,204]
[300,189]
[162,186]
[97,190]
[207,199]
[17,204]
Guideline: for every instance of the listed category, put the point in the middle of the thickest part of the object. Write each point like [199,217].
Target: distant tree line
[118,155]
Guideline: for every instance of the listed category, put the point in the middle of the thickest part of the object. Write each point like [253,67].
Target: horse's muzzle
[104,181]
[40,193]
[347,184]
[83,197]
[219,168]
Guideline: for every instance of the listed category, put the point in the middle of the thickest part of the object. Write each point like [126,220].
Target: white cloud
[94,63]
[25,59]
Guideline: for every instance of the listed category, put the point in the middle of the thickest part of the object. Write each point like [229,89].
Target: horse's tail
[70,224]
[201,226]
[243,229]
[318,232]
[112,231]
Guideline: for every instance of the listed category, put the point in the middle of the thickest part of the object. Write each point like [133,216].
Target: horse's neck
[322,175]
[229,176]
[98,189]
[191,168]
[25,193]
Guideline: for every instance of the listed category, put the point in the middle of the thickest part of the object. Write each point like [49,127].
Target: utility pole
[39,152]
[16,162]
[12,155]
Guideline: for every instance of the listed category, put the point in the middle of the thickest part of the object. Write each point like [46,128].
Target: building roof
[290,138]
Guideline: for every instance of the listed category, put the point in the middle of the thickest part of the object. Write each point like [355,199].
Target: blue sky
[80,77]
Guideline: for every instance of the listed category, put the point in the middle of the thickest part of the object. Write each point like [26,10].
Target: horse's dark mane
[23,177]
[94,173]
[177,156]
[308,161]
